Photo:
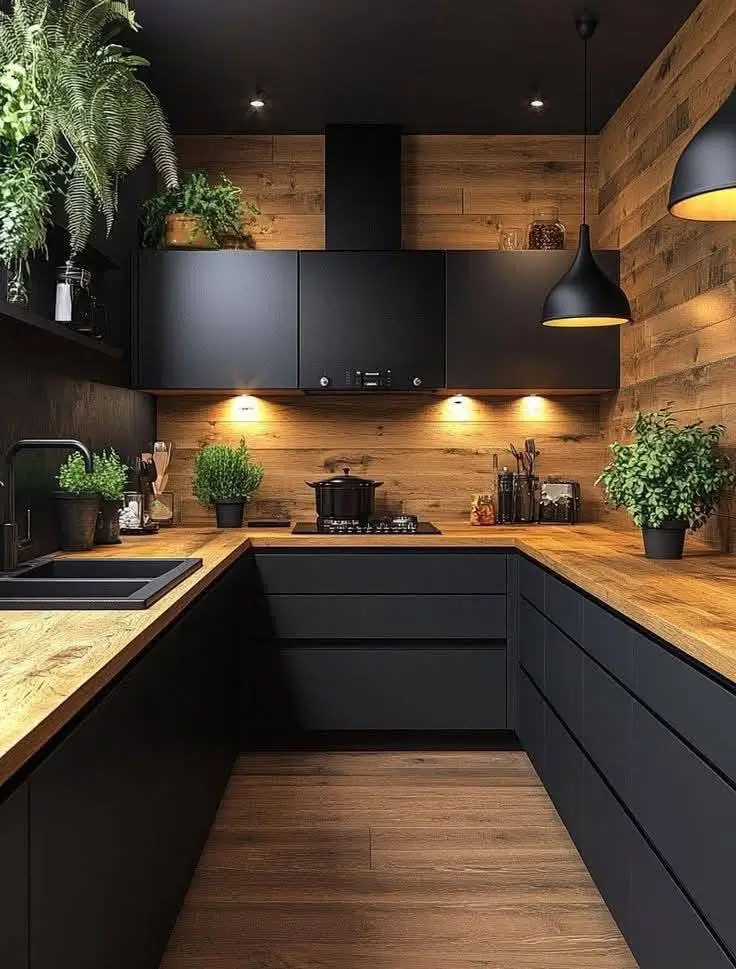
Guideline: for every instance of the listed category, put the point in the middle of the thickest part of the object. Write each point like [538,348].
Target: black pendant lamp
[585,296]
[704,183]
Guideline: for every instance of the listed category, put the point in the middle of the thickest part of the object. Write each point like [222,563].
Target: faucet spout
[9,531]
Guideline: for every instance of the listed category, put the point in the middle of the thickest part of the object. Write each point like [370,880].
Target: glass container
[482,511]
[162,508]
[526,498]
[511,238]
[74,302]
[134,515]
[546,231]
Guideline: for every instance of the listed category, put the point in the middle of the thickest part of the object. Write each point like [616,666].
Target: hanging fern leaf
[71,97]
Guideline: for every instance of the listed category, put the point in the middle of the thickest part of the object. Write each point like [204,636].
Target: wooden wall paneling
[431,453]
[457,189]
[679,275]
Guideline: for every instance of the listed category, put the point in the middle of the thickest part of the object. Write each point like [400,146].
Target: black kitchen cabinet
[14,879]
[215,320]
[120,810]
[495,338]
[407,640]
[364,313]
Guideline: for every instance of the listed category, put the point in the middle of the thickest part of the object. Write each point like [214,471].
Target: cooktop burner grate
[402,525]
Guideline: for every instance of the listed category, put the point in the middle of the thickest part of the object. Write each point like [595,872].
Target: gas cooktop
[401,525]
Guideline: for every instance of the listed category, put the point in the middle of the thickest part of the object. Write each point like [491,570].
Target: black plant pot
[229,514]
[107,531]
[77,521]
[665,542]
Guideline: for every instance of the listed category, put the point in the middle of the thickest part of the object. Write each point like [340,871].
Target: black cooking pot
[345,496]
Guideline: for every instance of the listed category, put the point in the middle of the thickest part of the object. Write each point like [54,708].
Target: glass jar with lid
[546,231]
[74,302]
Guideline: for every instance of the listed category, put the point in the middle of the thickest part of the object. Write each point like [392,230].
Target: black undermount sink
[93,583]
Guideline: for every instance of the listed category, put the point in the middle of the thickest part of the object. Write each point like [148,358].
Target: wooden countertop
[53,663]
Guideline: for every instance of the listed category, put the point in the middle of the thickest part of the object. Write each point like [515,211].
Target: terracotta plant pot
[229,514]
[665,542]
[77,521]
[107,530]
[185,232]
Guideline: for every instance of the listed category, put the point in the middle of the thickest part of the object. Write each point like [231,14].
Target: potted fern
[198,214]
[75,118]
[225,477]
[669,479]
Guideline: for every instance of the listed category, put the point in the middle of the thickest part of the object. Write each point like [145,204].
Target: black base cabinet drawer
[689,813]
[531,642]
[326,617]
[384,688]
[397,572]
[532,722]
[14,880]
[563,762]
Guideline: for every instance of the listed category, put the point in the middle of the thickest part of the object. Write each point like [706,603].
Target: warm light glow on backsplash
[532,406]
[246,408]
[458,408]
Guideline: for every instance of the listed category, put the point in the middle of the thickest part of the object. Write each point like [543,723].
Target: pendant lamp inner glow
[585,296]
[704,181]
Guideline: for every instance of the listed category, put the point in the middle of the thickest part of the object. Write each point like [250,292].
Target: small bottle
[505,513]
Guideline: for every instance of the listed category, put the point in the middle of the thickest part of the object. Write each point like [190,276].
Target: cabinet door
[372,311]
[14,880]
[495,337]
[533,714]
[121,808]
[385,688]
[216,320]
[563,774]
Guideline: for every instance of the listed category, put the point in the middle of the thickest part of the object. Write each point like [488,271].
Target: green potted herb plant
[225,477]
[197,214]
[669,479]
[78,505]
[110,475]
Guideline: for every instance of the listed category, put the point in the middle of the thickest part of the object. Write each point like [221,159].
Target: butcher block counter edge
[52,664]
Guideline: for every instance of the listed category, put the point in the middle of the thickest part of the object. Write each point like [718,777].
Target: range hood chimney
[363,186]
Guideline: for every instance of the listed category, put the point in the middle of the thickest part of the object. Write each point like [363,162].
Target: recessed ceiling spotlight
[536,102]
[258,101]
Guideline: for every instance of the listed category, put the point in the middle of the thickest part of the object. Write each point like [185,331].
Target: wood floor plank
[392,861]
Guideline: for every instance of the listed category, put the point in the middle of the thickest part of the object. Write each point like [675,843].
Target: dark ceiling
[433,65]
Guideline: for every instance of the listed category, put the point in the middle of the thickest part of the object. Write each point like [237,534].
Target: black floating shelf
[93,257]
[21,314]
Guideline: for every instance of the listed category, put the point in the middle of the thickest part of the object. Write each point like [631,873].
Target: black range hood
[372,317]
[362,187]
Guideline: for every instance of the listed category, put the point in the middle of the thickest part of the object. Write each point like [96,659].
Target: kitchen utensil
[345,497]
[162,459]
[517,455]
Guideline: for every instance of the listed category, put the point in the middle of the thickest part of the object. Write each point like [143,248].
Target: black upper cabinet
[216,320]
[495,339]
[369,312]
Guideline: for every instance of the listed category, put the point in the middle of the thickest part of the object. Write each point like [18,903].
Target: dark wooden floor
[392,861]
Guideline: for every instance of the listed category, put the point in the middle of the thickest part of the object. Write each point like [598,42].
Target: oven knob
[416,381]
[324,381]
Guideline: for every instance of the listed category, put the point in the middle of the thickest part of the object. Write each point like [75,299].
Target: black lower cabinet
[532,722]
[389,688]
[14,880]
[120,810]
[652,819]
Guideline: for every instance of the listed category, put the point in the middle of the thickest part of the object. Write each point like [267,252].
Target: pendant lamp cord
[585,127]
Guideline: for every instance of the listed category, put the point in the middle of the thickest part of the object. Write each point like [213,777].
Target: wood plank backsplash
[458,190]
[431,452]
[680,276]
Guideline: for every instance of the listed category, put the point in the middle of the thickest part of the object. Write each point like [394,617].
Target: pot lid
[347,480]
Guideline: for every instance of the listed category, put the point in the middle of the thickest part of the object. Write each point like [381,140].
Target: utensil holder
[526,498]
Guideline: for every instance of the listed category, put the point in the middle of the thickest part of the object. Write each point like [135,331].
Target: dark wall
[38,399]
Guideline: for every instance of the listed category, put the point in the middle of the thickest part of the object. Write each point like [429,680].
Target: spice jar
[482,511]
[511,238]
[74,302]
[546,231]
